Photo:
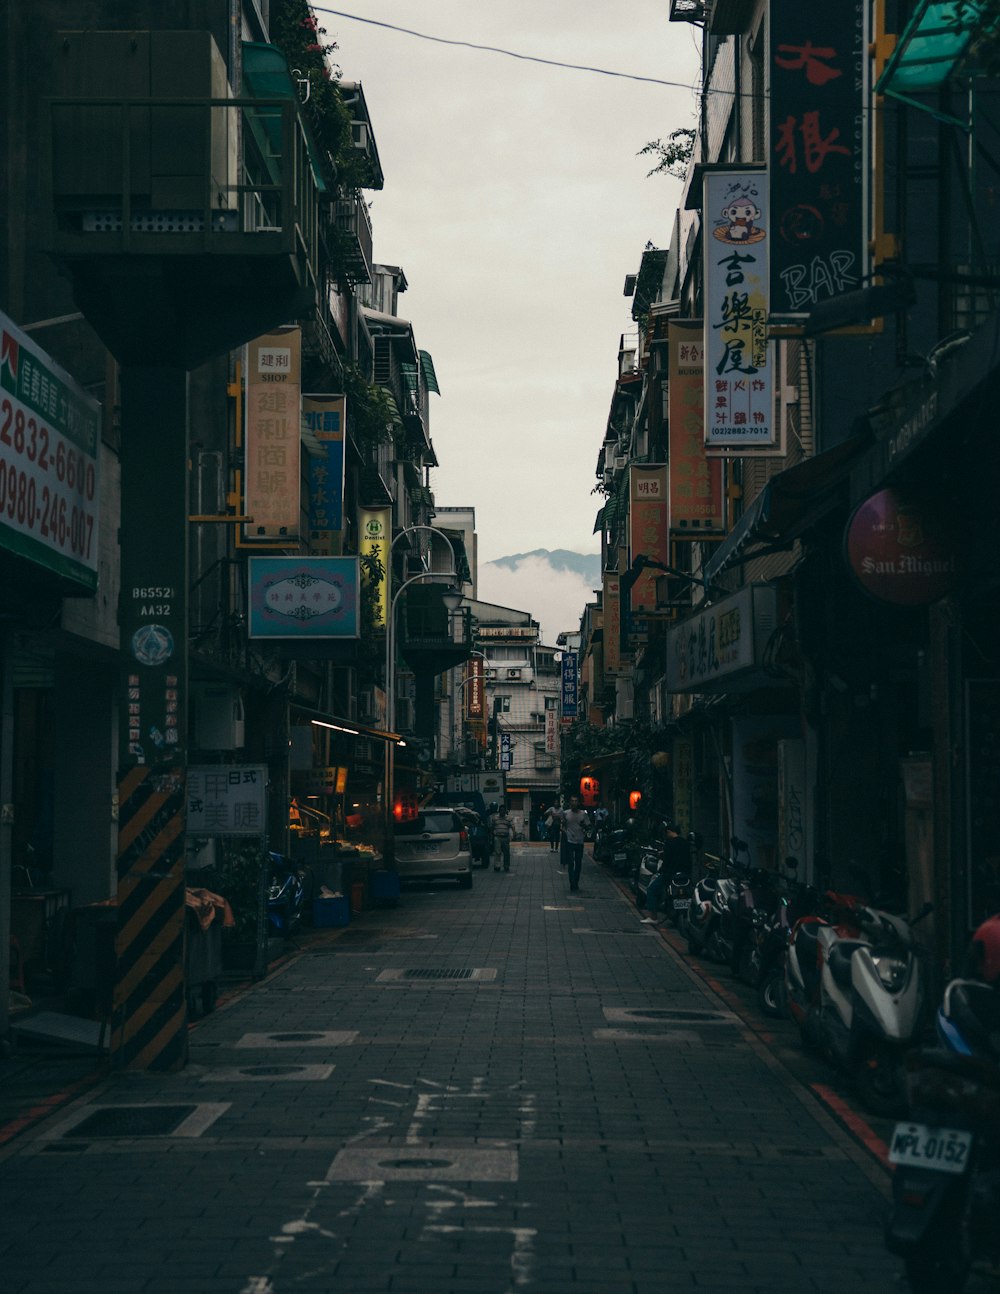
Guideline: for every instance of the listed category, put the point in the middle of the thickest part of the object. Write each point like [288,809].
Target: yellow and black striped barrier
[149,1014]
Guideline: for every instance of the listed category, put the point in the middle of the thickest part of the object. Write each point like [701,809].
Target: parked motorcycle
[749,910]
[771,934]
[855,987]
[679,892]
[288,895]
[946,1186]
[710,899]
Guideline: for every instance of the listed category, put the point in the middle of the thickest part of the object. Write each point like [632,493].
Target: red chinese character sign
[818,152]
[697,501]
[648,531]
[739,359]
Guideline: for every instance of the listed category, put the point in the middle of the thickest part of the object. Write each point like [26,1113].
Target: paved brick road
[507,1090]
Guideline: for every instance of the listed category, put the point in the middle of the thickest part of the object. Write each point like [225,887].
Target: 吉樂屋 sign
[739,358]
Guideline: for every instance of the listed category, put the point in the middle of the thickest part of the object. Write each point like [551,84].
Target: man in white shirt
[575,822]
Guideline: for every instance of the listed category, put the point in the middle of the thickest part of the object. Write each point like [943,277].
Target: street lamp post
[390,671]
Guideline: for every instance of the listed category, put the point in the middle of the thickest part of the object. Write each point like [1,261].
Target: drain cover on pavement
[271,1073]
[315,1038]
[97,1122]
[665,1015]
[421,973]
[422,1164]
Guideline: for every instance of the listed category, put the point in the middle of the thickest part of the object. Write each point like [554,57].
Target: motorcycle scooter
[861,1001]
[710,899]
[287,895]
[946,1184]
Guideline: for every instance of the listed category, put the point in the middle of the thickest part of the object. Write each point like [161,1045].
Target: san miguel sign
[898,552]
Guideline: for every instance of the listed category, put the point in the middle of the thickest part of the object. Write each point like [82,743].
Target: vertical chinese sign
[649,533]
[570,685]
[551,726]
[697,502]
[374,526]
[739,360]
[612,623]
[475,696]
[325,416]
[818,152]
[273,436]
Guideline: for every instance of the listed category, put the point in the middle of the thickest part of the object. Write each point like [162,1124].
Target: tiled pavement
[579,1115]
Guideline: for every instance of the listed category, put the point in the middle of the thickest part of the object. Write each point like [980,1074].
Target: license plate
[917,1146]
[620,857]
[681,905]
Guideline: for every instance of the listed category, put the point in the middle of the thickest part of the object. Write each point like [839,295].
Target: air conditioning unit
[360,134]
[620,462]
[218,717]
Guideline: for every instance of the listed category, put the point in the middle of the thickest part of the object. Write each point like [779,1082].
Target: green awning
[932,46]
[430,377]
[266,76]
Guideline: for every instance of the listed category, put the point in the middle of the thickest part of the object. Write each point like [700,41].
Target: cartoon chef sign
[739,219]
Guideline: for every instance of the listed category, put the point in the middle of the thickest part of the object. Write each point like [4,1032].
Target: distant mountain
[553,586]
[586,565]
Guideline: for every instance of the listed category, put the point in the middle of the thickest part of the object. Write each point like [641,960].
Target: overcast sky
[516,205]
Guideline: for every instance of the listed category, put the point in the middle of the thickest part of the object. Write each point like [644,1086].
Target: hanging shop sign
[590,792]
[226,800]
[649,533]
[304,597]
[551,726]
[570,685]
[475,700]
[325,416]
[697,501]
[612,623]
[755,743]
[723,647]
[506,759]
[899,553]
[818,152]
[273,445]
[50,451]
[739,359]
[375,533]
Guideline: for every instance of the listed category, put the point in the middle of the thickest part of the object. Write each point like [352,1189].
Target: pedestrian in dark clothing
[575,822]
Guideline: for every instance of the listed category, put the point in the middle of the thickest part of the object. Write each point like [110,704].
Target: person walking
[503,830]
[575,822]
[552,827]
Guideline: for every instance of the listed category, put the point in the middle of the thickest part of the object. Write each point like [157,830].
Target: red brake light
[463,839]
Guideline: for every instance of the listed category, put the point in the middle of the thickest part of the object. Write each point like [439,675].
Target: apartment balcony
[186,218]
[352,250]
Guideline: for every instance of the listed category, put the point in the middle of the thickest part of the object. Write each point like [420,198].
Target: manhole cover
[134,1121]
[435,972]
[64,1148]
[295,1037]
[415,1163]
[661,1013]
[272,1071]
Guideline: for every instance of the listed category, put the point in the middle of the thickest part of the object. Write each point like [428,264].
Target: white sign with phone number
[49,461]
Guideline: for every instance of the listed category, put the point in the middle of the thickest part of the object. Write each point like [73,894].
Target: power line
[509,53]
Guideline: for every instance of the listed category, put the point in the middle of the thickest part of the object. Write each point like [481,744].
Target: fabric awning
[932,46]
[790,503]
[266,76]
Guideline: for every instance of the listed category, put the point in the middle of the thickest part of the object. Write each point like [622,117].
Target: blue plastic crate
[331,912]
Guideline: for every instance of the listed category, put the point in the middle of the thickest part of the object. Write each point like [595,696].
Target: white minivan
[434,846]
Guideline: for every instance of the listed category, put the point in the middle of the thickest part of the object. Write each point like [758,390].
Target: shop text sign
[739,380]
[227,800]
[475,700]
[325,416]
[818,162]
[697,501]
[722,641]
[570,682]
[648,531]
[899,552]
[273,437]
[304,597]
[49,461]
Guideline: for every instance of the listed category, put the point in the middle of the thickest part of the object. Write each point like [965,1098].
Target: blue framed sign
[304,597]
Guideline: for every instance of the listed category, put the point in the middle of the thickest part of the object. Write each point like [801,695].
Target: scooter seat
[839,960]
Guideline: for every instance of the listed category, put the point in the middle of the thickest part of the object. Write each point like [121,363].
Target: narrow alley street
[508,1089]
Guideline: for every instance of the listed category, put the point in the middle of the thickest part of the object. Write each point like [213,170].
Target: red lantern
[634,800]
[590,791]
[405,808]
